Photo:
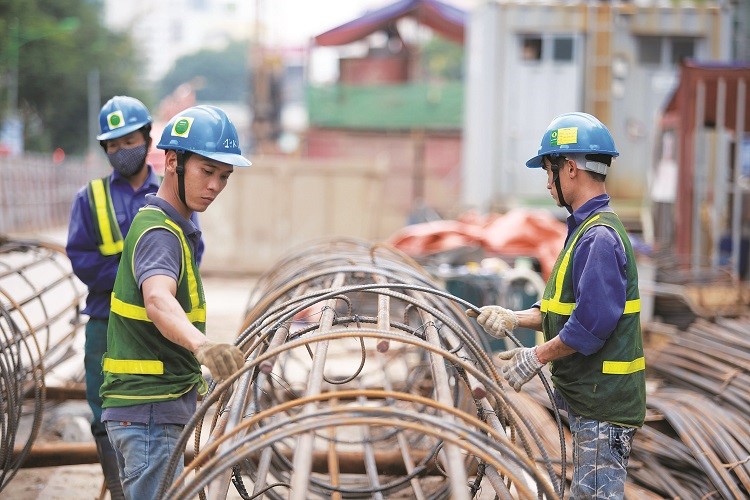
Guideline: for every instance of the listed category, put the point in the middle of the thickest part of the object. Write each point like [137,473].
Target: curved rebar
[39,319]
[363,379]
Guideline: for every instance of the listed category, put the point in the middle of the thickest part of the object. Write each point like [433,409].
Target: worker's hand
[497,321]
[522,367]
[222,360]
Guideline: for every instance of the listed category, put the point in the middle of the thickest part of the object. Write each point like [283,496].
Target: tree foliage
[221,75]
[55,58]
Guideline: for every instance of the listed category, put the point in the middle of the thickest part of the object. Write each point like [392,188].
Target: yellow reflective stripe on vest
[566,308]
[133,366]
[624,367]
[554,305]
[111,244]
[192,282]
[132,311]
[632,306]
[560,277]
[202,387]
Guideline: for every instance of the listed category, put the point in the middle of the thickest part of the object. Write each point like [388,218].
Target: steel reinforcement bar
[39,313]
[363,379]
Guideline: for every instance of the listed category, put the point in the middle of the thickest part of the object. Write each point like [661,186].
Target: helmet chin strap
[556,179]
[181,177]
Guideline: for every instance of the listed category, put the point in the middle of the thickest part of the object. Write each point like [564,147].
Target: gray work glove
[522,367]
[222,360]
[497,321]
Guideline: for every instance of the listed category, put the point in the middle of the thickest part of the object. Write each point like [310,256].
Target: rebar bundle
[363,379]
[39,312]
[701,409]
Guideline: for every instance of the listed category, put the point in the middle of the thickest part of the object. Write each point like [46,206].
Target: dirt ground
[226,298]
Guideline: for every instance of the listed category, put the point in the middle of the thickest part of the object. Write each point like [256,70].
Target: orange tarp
[520,232]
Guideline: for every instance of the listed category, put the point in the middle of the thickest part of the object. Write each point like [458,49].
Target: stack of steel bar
[364,380]
[39,309]
[704,396]
[696,440]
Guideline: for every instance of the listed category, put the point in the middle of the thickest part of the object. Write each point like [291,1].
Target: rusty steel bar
[40,300]
[368,381]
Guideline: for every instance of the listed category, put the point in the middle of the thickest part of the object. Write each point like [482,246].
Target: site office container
[530,61]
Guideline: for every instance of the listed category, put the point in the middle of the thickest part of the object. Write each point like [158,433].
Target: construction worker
[101,214]
[156,338]
[589,312]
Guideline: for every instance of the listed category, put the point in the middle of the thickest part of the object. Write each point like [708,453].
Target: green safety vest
[609,385]
[108,235]
[141,365]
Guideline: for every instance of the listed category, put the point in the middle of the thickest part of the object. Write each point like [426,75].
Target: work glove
[497,321]
[222,360]
[522,367]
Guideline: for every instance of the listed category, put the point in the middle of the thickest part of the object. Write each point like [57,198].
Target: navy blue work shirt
[95,270]
[599,280]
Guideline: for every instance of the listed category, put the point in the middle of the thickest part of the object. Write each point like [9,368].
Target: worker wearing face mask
[100,219]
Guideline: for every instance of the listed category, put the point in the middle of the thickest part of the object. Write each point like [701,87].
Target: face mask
[128,161]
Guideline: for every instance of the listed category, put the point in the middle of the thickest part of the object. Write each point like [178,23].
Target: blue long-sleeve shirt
[95,270]
[599,281]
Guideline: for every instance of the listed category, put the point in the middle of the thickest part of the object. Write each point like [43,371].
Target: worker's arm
[157,265]
[552,350]
[530,318]
[166,313]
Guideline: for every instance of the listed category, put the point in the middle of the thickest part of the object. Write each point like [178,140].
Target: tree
[54,64]
[223,74]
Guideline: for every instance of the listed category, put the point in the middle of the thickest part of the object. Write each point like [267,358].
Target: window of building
[665,50]
[531,48]
[562,48]
[649,49]
[537,48]
[682,48]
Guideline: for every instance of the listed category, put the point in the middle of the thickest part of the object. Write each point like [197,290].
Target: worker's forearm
[549,351]
[167,315]
[552,350]
[530,318]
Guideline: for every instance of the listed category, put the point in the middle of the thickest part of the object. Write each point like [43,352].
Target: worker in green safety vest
[101,215]
[589,312]
[156,340]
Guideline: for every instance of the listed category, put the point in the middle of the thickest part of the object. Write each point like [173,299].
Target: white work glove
[522,367]
[497,321]
[222,360]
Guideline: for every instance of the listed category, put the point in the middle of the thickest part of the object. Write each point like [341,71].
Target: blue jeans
[94,349]
[143,453]
[600,456]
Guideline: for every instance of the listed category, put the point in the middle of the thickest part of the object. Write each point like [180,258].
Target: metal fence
[36,194]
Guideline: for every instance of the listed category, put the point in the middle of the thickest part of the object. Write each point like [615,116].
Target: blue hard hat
[574,133]
[206,131]
[120,116]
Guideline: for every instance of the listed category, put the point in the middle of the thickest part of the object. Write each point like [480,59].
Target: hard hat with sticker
[204,130]
[574,133]
[120,116]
